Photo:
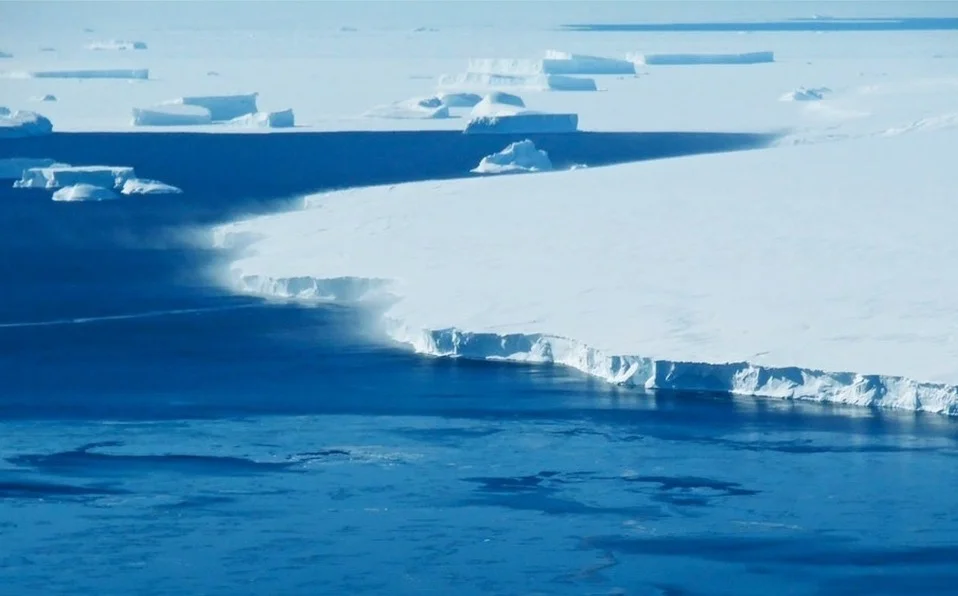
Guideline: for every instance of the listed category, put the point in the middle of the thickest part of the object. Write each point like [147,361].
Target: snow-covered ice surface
[519,121]
[139,74]
[806,94]
[116,44]
[84,192]
[172,115]
[528,82]
[140,186]
[818,276]
[413,108]
[521,156]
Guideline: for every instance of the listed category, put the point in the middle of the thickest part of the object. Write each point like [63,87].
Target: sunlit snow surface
[161,433]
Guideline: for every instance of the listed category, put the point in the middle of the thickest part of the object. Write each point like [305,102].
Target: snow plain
[814,270]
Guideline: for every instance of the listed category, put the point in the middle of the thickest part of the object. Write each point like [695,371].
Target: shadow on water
[226,168]
[792,25]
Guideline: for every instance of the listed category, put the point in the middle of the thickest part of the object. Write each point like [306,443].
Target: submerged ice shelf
[674,274]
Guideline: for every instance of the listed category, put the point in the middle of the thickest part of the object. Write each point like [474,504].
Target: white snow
[59,176]
[540,82]
[806,94]
[84,192]
[522,122]
[22,123]
[414,108]
[11,168]
[143,186]
[698,59]
[222,107]
[116,44]
[280,119]
[521,156]
[497,103]
[171,115]
[82,73]
[819,275]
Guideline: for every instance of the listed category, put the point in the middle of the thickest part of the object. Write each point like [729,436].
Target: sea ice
[171,115]
[22,123]
[673,274]
[143,186]
[521,156]
[540,82]
[414,108]
[806,94]
[110,73]
[696,59]
[280,119]
[84,192]
[117,45]
[59,176]
[222,107]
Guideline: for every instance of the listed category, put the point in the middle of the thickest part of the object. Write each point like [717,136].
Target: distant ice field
[330,70]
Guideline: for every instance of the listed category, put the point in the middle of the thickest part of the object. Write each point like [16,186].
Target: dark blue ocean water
[160,436]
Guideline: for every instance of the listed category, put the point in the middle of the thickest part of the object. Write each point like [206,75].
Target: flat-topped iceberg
[221,107]
[700,59]
[58,176]
[279,119]
[12,168]
[172,115]
[554,63]
[522,122]
[22,123]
